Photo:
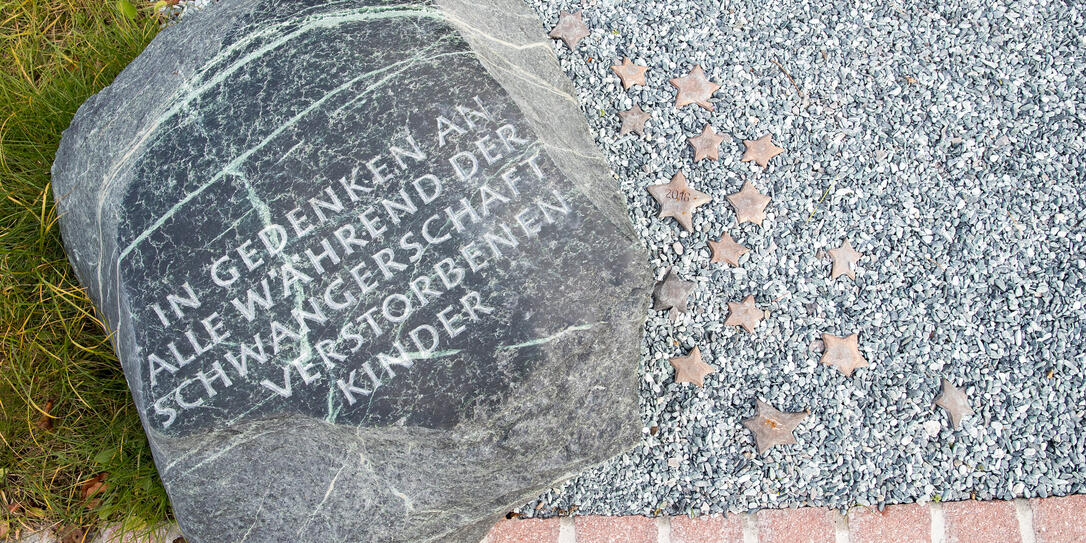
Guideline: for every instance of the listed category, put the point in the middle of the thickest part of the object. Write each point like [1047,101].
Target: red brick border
[1048,520]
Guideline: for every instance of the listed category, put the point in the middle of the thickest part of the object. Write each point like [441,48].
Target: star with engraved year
[843,353]
[672,293]
[633,120]
[631,74]
[570,28]
[954,401]
[691,369]
[678,200]
[844,260]
[727,250]
[744,314]
[706,144]
[694,88]
[760,150]
[749,204]
[772,427]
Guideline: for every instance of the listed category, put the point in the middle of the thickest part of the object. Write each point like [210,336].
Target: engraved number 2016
[679,195]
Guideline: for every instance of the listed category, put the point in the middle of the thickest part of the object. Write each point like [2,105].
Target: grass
[72,453]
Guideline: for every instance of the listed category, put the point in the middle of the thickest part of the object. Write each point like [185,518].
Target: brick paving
[1048,520]
[1060,520]
[709,529]
[909,523]
[981,522]
[807,525]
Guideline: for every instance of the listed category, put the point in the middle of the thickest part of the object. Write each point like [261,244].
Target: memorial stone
[368,276]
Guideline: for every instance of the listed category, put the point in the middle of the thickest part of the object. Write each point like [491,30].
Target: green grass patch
[72,453]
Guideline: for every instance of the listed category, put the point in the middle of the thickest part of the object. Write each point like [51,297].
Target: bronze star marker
[744,314]
[749,204]
[760,150]
[633,120]
[672,292]
[706,144]
[955,403]
[570,28]
[727,250]
[843,353]
[844,260]
[772,427]
[631,74]
[690,368]
[694,88]
[678,200]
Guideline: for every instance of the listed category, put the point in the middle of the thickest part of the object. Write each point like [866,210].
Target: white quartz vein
[552,337]
[256,517]
[232,166]
[235,441]
[327,493]
[328,20]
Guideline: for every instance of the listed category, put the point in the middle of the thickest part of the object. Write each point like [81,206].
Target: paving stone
[806,525]
[981,522]
[707,529]
[1060,520]
[632,529]
[910,523]
[524,531]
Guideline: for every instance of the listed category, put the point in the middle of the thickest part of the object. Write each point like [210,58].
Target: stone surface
[632,529]
[974,521]
[367,275]
[908,523]
[708,529]
[1060,520]
[806,525]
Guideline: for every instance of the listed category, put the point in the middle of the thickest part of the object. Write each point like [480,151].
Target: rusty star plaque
[844,260]
[570,28]
[727,250]
[706,144]
[678,200]
[760,150]
[694,88]
[772,427]
[631,74]
[843,353]
[744,314]
[672,292]
[690,368]
[749,204]
[954,401]
[633,120]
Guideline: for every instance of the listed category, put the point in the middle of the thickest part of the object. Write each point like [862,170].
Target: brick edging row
[1047,520]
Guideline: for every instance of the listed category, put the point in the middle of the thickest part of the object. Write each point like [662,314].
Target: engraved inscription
[345,292]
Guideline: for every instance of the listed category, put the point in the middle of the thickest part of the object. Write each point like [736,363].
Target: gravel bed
[945,141]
